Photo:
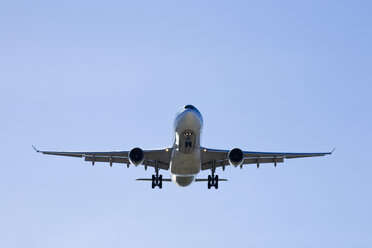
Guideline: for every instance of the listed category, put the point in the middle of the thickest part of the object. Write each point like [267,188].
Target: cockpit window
[190,107]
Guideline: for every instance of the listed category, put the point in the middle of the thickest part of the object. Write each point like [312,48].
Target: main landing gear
[213,179]
[157,180]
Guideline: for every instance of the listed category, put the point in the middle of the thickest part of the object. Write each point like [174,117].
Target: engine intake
[136,156]
[236,157]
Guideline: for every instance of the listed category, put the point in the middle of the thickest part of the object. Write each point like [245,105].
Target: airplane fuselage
[185,161]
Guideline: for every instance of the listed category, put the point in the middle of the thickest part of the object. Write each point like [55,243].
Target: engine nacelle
[236,157]
[136,156]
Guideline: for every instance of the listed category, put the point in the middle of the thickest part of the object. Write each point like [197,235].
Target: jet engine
[236,157]
[136,156]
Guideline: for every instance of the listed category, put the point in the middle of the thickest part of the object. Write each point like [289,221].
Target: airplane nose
[190,107]
[189,115]
[188,118]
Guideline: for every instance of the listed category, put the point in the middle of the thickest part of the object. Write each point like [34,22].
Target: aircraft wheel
[160,182]
[153,181]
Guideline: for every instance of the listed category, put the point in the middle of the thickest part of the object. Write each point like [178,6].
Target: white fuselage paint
[185,160]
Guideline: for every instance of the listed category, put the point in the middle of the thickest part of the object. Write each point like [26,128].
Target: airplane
[186,157]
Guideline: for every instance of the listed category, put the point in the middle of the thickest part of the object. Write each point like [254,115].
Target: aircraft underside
[186,158]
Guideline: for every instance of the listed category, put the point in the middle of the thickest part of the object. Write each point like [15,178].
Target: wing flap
[262,160]
[107,159]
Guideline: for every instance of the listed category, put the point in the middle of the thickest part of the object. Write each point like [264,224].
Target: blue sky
[111,75]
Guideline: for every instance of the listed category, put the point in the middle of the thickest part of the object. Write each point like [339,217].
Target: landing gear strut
[213,179]
[157,180]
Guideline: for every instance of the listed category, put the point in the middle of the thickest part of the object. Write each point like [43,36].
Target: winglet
[333,150]
[35,149]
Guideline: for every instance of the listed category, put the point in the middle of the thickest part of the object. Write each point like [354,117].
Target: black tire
[209,185]
[153,181]
[160,181]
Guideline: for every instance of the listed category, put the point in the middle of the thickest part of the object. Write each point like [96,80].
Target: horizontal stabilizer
[206,180]
[169,180]
[149,179]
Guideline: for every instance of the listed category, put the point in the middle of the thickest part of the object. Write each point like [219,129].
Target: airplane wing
[152,158]
[219,158]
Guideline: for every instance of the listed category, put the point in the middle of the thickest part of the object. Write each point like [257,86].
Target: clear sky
[111,75]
